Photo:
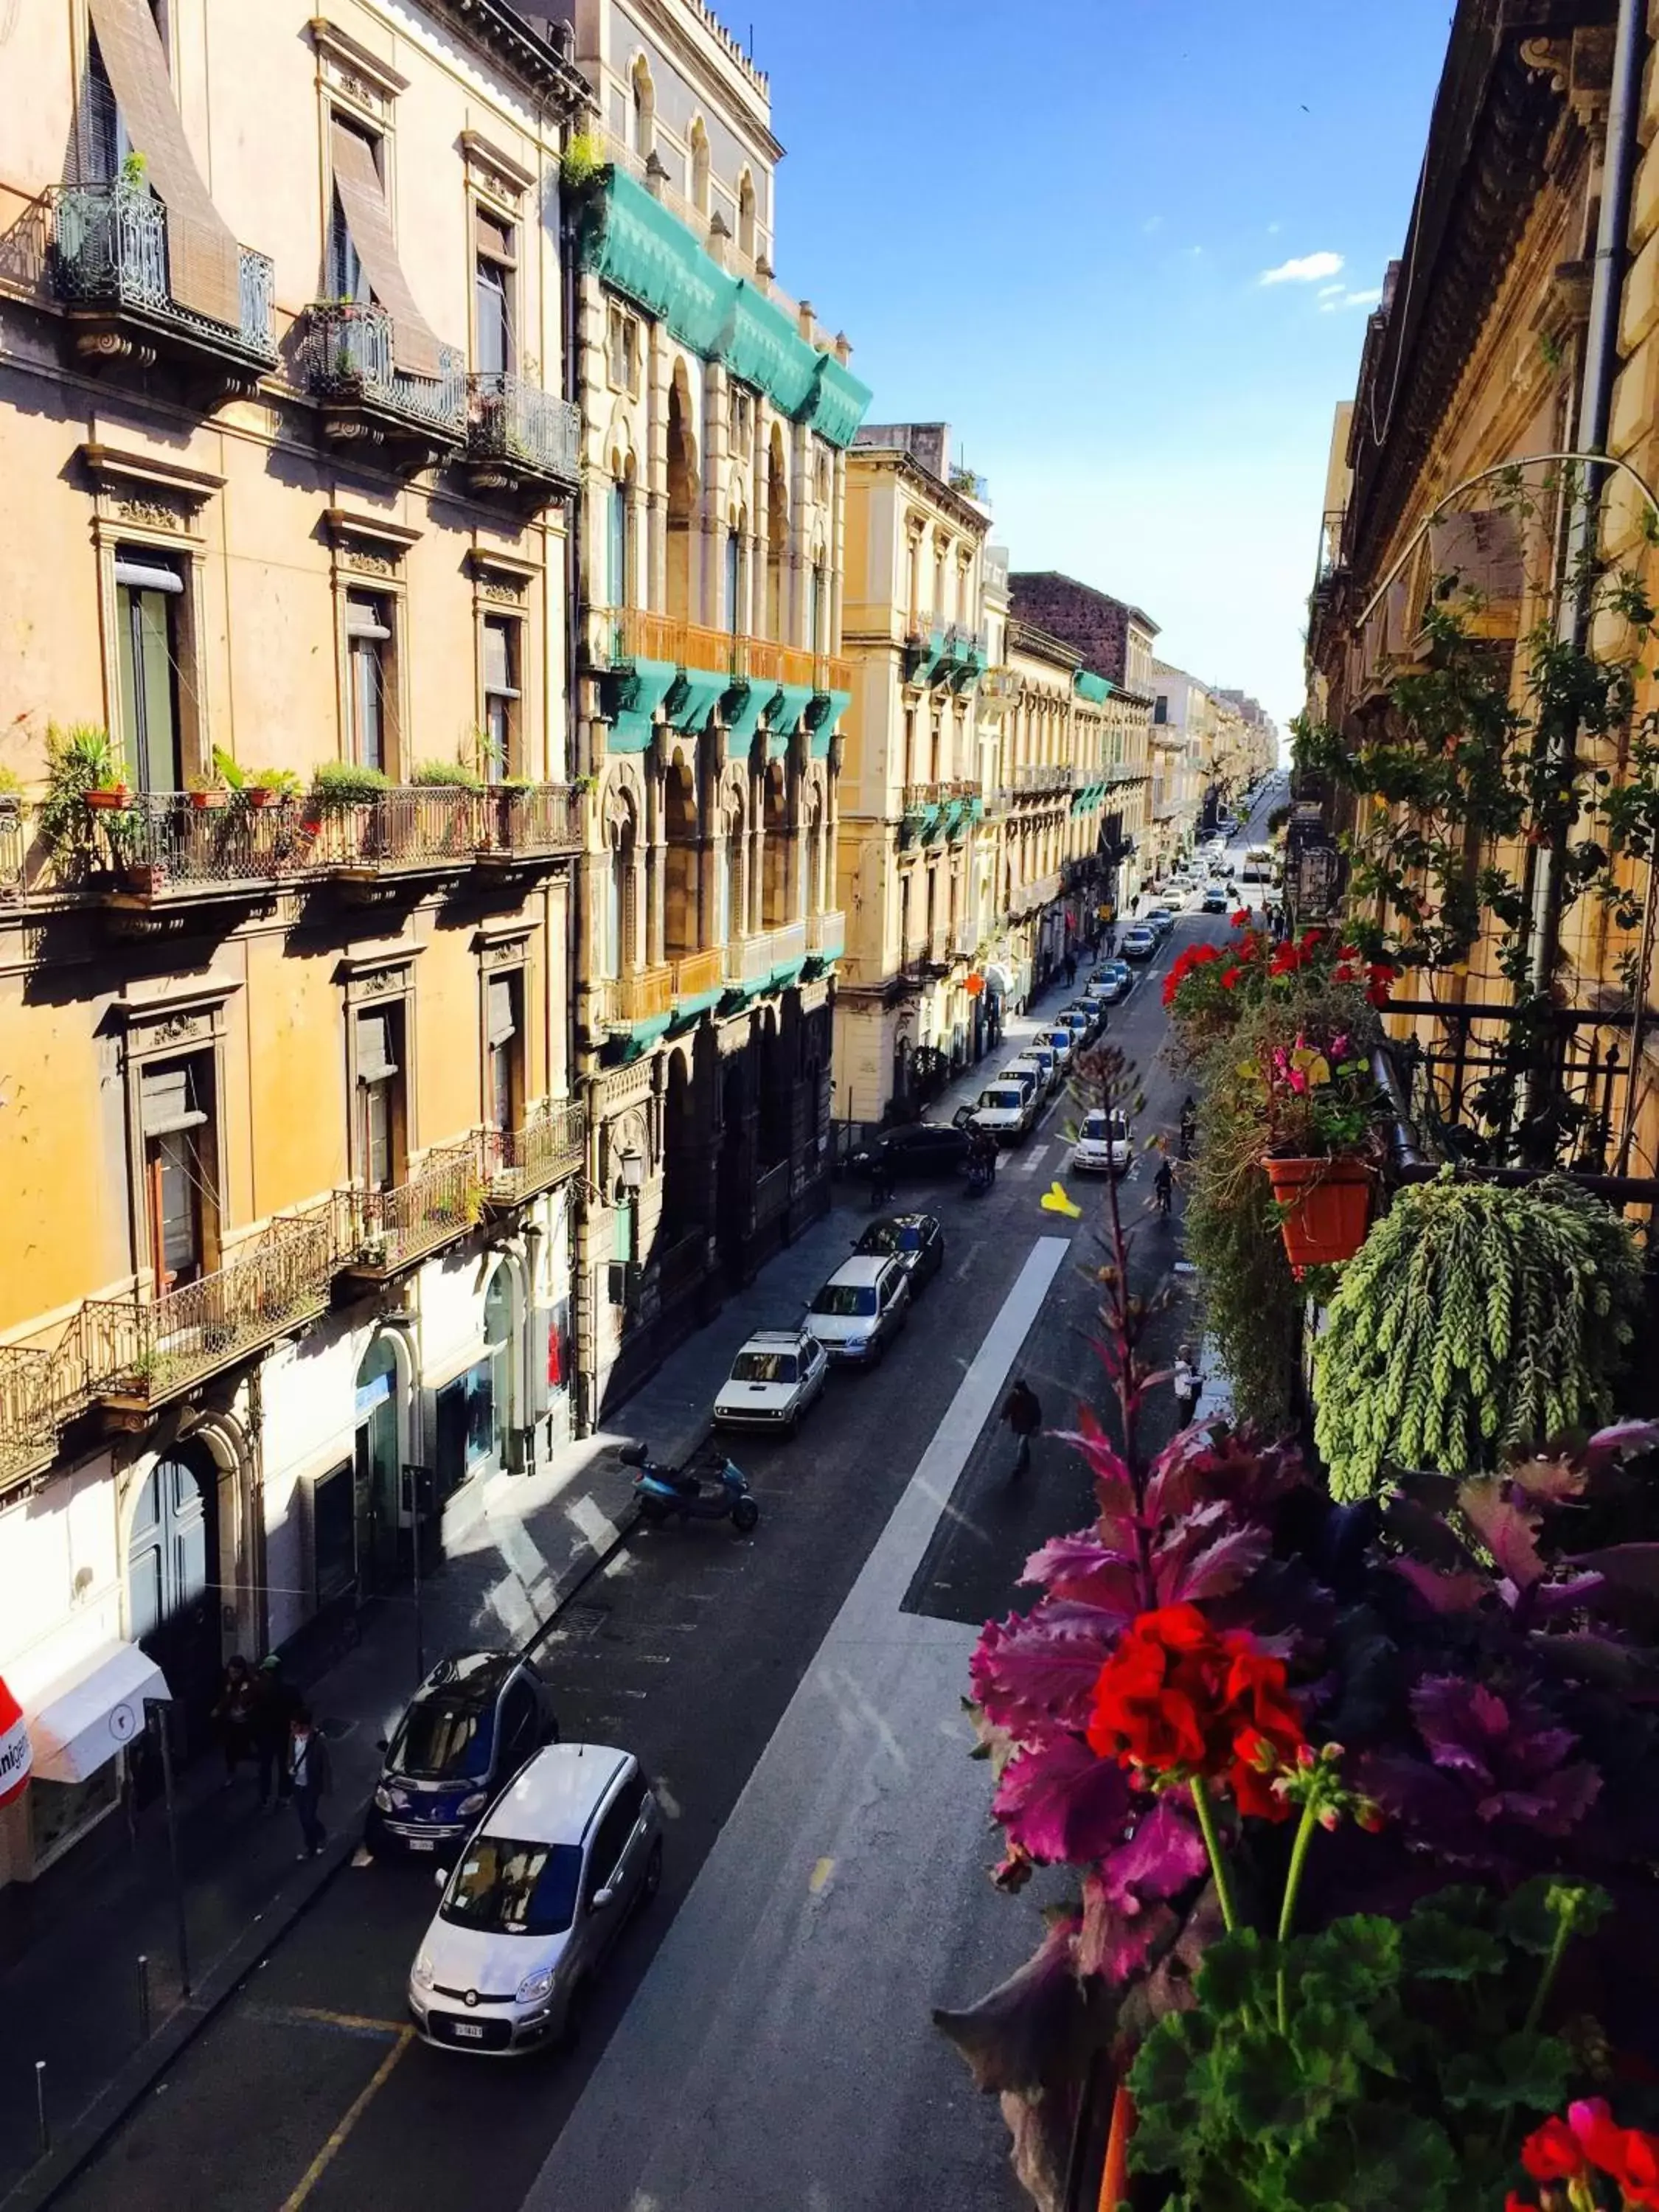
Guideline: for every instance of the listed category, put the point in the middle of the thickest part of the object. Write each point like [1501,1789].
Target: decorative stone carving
[151,513]
[366,564]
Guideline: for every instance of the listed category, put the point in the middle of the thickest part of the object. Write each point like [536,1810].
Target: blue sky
[1048,224]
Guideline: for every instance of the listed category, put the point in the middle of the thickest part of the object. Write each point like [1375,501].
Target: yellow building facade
[716,418]
[910,1006]
[287,832]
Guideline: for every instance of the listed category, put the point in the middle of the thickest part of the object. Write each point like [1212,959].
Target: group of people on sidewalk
[262,1719]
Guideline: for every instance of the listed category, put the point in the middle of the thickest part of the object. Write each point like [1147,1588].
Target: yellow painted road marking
[377,2081]
[320,2016]
[821,1873]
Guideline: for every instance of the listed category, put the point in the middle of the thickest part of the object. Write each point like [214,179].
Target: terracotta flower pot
[1330,1205]
[262,794]
[205,801]
[108,799]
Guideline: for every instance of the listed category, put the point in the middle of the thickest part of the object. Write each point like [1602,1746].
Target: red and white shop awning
[14,1747]
[77,1723]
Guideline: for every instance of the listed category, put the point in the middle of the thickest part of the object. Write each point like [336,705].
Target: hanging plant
[1474,1319]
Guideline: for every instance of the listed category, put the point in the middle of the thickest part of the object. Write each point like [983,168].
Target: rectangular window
[1160,708]
[624,1226]
[348,280]
[368,635]
[500,691]
[493,294]
[622,348]
[504,1021]
[381,1120]
[181,1194]
[147,590]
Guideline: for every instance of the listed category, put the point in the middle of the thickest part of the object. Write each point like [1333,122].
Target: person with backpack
[1188,1384]
[1025,1417]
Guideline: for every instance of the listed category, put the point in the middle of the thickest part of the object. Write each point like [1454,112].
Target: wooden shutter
[357,182]
[503,1021]
[204,263]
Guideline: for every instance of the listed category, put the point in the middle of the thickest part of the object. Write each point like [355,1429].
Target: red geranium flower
[1589,2136]
[1241,919]
[1554,2152]
[1177,1700]
[1231,977]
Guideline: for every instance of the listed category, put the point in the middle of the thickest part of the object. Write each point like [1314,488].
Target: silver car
[861,1308]
[542,1887]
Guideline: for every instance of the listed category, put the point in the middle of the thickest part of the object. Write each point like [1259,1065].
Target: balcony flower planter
[1326,1206]
[205,801]
[262,795]
[109,798]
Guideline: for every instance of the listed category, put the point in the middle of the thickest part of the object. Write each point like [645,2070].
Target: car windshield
[1004,1096]
[441,1740]
[513,1888]
[881,1237]
[763,1367]
[910,1237]
[845,1300]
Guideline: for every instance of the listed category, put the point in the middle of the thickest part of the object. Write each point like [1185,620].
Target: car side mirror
[441,1875]
[381,1744]
[603,1898]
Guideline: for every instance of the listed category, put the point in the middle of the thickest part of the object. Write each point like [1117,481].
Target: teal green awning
[629,697]
[1090,686]
[787,708]
[693,698]
[764,348]
[839,401]
[745,702]
[824,728]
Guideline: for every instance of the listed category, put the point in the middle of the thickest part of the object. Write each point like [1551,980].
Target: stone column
[656,864]
[708,564]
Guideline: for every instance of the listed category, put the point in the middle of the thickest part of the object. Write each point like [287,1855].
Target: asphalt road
[747,1674]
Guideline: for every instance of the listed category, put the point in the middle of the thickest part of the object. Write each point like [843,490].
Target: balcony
[347,365]
[1037,779]
[698,980]
[379,1233]
[110,268]
[140,1353]
[645,994]
[14,848]
[164,848]
[551,1144]
[521,438]
[37,1392]
[525,826]
[367,845]
[826,937]
[747,962]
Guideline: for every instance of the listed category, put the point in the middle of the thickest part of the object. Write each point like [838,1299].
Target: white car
[1059,1040]
[543,1885]
[1045,1059]
[1004,1109]
[1103,1143]
[861,1308]
[777,1376]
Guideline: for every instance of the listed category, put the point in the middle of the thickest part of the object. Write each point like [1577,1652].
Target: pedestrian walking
[1189,1383]
[1025,1417]
[881,1181]
[1071,970]
[274,1700]
[232,1715]
[309,1778]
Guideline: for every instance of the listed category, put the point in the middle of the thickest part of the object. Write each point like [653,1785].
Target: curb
[94,2126]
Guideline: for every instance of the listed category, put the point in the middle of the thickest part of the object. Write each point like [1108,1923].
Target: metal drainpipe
[1601,366]
[584,1411]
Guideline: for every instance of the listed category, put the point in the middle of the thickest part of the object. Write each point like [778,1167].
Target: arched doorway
[775,853]
[682,926]
[376,1466]
[777,534]
[173,1601]
[682,497]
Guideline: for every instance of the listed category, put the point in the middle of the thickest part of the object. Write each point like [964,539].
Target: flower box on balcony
[110,799]
[1325,1206]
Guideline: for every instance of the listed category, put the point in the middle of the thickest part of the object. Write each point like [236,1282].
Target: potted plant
[82,778]
[1476,1318]
[339,784]
[1322,1108]
[272,786]
[207,793]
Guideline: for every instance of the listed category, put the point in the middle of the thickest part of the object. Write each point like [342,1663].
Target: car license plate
[422,1844]
[471,2029]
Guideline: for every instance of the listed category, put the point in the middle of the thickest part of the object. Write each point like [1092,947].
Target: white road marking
[516,1547]
[510,1605]
[600,1530]
[1032,1163]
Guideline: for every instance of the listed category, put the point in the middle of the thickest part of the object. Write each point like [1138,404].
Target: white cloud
[1332,291]
[1195,250]
[1335,299]
[1311,269]
[1363,298]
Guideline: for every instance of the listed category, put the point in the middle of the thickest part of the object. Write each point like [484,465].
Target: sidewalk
[515,1550]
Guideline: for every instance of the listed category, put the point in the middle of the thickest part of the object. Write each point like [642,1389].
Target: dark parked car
[915,1240]
[914,1152]
[467,1731]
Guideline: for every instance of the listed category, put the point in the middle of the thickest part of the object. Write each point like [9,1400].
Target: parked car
[775,1378]
[1084,1022]
[1112,981]
[1139,942]
[469,1727]
[542,1890]
[1027,1068]
[1216,900]
[1160,919]
[915,1240]
[1005,1110]
[1103,1142]
[1059,1040]
[1044,1057]
[861,1308]
[914,1152]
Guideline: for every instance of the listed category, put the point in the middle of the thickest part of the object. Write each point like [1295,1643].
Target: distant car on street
[1037,1071]
[1112,981]
[916,1152]
[1103,1143]
[538,1895]
[861,1308]
[915,1240]
[1216,900]
[1139,942]
[775,1378]
[471,1725]
[1061,1041]
[1043,1056]
[1160,919]
[1084,1021]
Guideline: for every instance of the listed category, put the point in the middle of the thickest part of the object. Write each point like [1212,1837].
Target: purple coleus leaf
[1015,2037]
[1165,1852]
[1192,1564]
[1115,1485]
[1622,1441]
[1508,1529]
[1625,1566]
[1114,1943]
[1034,1674]
[1080,1567]
[1445,1593]
[1059,1803]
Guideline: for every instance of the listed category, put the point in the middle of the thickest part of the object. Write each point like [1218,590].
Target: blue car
[467,1731]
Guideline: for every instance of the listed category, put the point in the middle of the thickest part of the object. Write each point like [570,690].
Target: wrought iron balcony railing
[348,359]
[410,826]
[523,821]
[140,1353]
[175,840]
[109,255]
[515,428]
[39,1389]
[14,848]
[764,660]
[551,1144]
[380,1232]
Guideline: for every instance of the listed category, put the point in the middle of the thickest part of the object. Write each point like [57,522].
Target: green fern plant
[1474,1320]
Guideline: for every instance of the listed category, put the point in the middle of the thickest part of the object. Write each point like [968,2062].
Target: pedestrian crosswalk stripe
[1033,1161]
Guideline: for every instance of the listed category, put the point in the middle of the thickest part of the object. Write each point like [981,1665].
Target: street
[762,2034]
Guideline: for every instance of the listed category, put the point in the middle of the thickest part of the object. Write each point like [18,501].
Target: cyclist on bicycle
[1163,1184]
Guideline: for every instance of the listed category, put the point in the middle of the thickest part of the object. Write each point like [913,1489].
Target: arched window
[618,892]
[746,214]
[734,578]
[700,167]
[619,537]
[645,110]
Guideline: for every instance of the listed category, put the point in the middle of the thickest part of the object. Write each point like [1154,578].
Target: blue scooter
[663,1492]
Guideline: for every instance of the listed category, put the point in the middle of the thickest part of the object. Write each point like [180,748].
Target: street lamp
[630,1166]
